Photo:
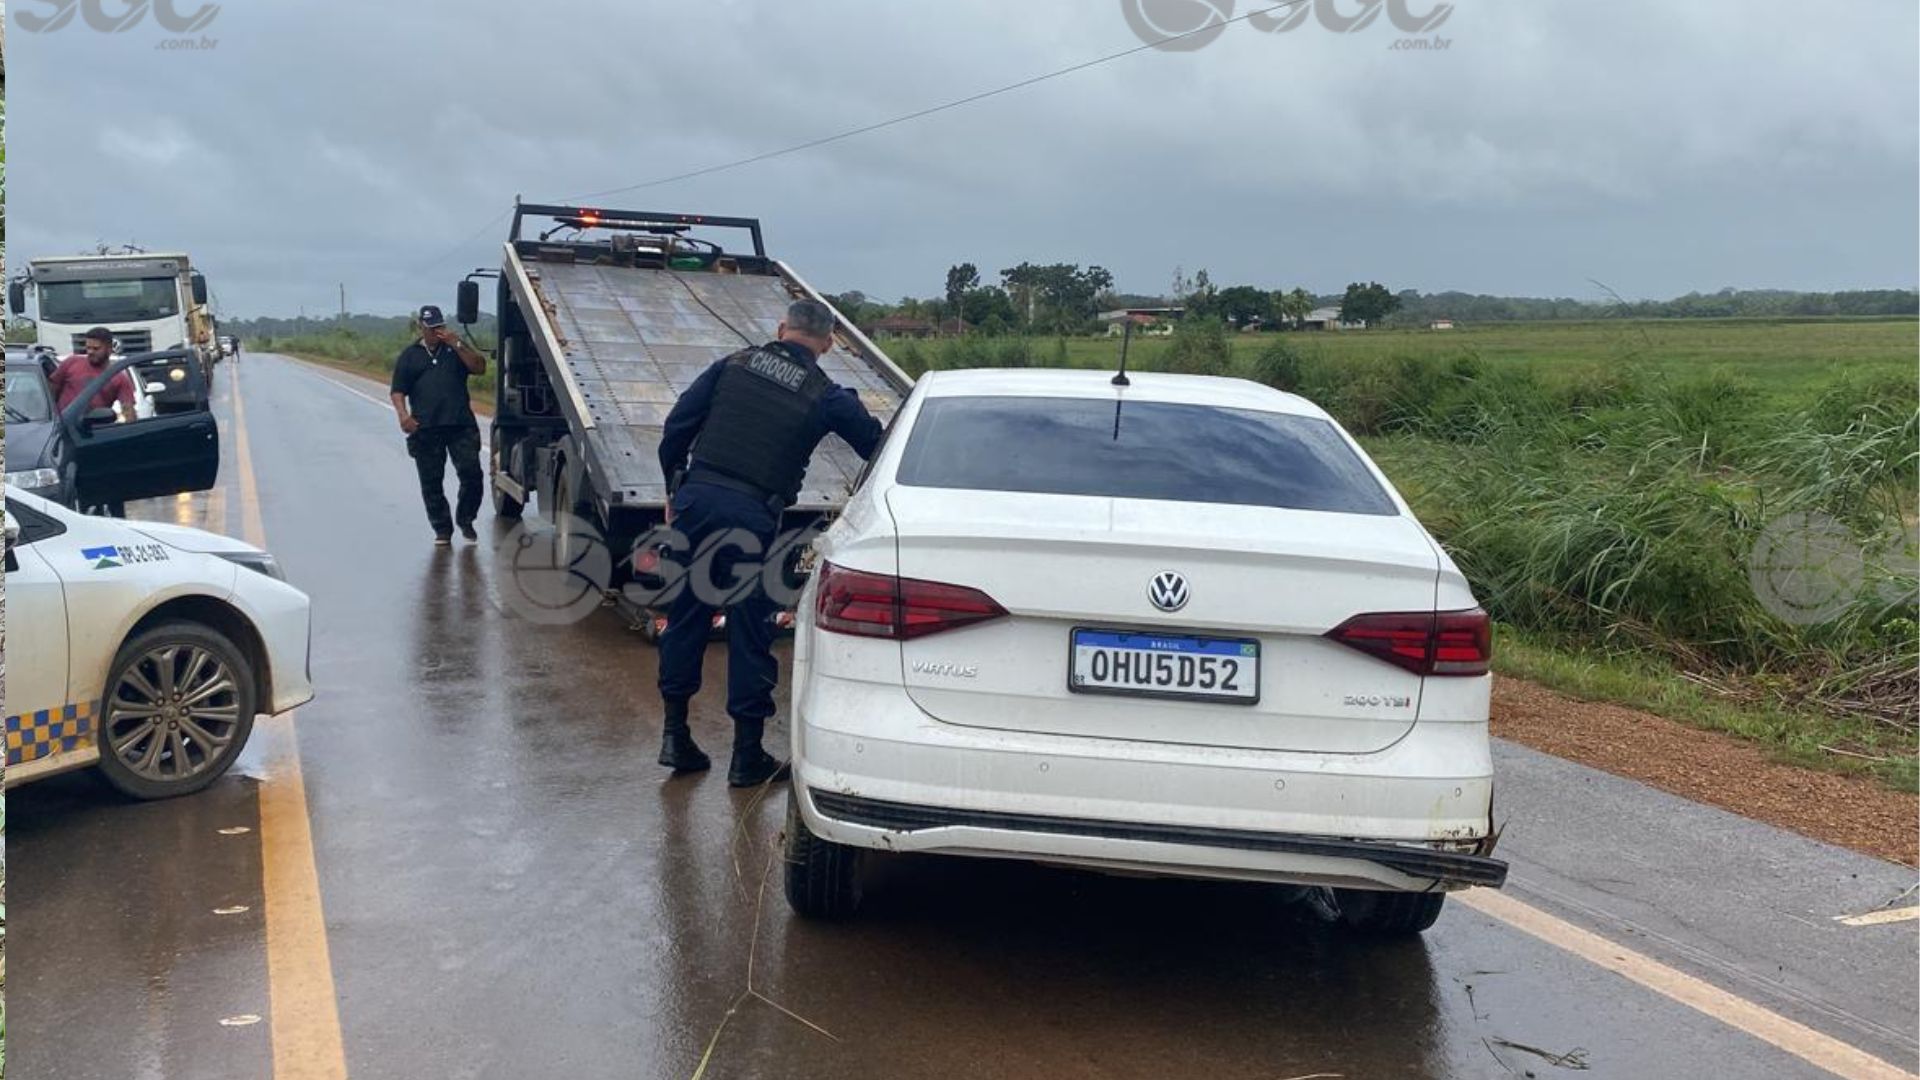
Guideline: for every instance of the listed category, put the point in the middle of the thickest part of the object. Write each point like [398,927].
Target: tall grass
[1624,507]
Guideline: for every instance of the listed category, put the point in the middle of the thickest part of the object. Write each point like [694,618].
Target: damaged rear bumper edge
[1448,868]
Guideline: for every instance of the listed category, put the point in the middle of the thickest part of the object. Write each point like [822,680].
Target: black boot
[677,748]
[752,766]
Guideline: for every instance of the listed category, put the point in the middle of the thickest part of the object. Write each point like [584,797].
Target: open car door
[145,458]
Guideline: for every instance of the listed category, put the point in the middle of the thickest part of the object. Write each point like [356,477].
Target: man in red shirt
[76,371]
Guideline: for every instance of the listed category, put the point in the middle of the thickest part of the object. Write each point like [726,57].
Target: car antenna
[1120,378]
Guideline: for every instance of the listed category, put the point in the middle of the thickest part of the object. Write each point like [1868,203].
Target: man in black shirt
[430,398]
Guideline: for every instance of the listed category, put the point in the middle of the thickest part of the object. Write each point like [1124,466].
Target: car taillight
[1425,643]
[881,605]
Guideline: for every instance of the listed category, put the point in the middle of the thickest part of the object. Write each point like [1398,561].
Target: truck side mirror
[466,308]
[17,297]
[199,287]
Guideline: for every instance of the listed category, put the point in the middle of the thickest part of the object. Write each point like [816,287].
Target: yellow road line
[305,1017]
[1875,918]
[1795,1038]
[217,510]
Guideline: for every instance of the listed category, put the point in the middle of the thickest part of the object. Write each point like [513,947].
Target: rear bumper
[871,770]
[1449,869]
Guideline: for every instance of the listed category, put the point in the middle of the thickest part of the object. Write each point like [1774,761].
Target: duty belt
[703,474]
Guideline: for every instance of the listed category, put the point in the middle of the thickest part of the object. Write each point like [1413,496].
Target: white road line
[1803,1042]
[319,373]
[1876,918]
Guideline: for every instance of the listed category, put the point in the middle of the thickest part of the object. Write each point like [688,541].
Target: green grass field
[1784,357]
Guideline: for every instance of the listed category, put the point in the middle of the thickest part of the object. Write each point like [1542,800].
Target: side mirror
[466,308]
[13,531]
[199,287]
[17,297]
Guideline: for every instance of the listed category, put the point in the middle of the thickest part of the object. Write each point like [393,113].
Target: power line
[491,224]
[895,121]
[931,110]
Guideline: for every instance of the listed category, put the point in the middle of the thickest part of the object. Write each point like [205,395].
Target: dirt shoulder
[1855,812]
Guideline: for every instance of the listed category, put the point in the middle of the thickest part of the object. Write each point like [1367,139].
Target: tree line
[1065,298]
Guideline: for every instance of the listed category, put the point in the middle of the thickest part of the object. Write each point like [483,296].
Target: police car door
[45,729]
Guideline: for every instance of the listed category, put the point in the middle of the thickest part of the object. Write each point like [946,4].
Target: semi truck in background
[152,302]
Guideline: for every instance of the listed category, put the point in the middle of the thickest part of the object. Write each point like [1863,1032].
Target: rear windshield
[1138,450]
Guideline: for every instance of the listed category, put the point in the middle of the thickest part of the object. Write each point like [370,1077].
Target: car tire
[504,505]
[1387,914]
[822,878]
[170,660]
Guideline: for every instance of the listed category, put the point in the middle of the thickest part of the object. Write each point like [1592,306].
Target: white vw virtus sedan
[1180,626]
[143,648]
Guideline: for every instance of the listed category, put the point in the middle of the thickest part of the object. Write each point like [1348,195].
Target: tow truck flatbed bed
[621,343]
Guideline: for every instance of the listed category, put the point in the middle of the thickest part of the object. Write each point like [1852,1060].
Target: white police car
[143,648]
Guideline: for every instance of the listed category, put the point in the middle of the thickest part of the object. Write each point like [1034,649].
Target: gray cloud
[1657,147]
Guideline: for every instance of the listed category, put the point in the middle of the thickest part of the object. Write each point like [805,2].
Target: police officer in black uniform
[751,422]
[429,394]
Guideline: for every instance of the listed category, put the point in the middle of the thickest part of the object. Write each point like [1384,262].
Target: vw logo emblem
[1168,590]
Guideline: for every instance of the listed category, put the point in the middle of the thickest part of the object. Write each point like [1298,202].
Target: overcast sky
[1658,147]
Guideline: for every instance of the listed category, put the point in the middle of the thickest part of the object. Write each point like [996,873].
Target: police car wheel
[823,878]
[178,708]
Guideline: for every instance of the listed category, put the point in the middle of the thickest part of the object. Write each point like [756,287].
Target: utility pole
[343,301]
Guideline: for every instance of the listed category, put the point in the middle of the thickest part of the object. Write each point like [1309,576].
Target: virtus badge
[1168,590]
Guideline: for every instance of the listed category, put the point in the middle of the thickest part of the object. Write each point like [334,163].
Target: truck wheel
[1387,914]
[823,878]
[570,542]
[178,708]
[504,505]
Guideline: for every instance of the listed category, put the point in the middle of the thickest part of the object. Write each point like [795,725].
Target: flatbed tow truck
[605,317]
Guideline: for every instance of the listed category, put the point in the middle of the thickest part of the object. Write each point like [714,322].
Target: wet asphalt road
[512,888]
